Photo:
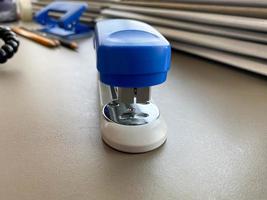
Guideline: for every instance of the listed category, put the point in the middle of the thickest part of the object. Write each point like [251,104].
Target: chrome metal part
[134,95]
[133,114]
[143,95]
[126,95]
[128,106]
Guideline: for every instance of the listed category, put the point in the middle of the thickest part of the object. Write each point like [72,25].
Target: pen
[35,37]
[69,44]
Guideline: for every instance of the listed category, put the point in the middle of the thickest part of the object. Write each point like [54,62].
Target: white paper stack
[233,32]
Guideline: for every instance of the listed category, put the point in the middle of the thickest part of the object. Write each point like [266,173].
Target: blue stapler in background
[131,57]
[68,25]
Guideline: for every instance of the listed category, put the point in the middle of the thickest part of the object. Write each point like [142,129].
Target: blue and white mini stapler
[131,57]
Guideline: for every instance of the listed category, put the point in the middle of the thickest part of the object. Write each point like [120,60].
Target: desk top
[50,145]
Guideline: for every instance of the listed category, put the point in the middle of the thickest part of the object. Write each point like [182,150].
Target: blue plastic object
[131,53]
[68,25]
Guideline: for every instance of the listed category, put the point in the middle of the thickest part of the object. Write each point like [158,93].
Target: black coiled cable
[11,44]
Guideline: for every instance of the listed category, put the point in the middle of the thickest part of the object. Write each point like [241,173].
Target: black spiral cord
[11,44]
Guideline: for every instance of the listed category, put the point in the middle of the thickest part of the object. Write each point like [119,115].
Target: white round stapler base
[134,139]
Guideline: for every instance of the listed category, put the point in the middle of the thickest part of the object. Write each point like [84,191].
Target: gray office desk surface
[50,145]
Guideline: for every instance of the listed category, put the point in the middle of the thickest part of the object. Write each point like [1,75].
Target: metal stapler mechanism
[131,57]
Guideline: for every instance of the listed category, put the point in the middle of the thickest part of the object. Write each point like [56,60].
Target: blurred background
[233,32]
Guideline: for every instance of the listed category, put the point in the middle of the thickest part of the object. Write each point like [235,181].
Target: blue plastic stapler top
[68,24]
[131,53]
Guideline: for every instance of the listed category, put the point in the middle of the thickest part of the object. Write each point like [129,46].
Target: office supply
[51,147]
[242,62]
[25,9]
[63,42]
[190,26]
[247,23]
[252,3]
[35,37]
[240,10]
[131,57]
[68,25]
[216,42]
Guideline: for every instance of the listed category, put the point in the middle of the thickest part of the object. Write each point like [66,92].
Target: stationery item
[190,26]
[63,42]
[131,58]
[68,44]
[216,42]
[247,23]
[255,3]
[35,37]
[25,9]
[68,25]
[244,10]
[243,62]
